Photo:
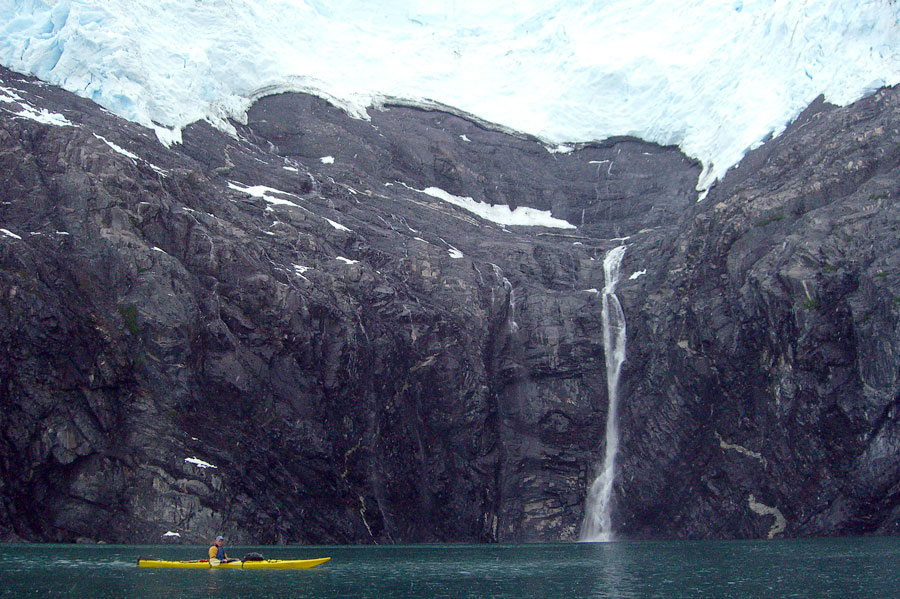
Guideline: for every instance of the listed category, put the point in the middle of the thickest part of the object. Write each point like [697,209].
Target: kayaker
[217,551]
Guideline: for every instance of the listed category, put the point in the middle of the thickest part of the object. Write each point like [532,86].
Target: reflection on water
[819,568]
[614,565]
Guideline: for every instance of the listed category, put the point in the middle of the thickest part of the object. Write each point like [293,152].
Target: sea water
[816,568]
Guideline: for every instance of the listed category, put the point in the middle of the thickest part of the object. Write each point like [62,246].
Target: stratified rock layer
[235,335]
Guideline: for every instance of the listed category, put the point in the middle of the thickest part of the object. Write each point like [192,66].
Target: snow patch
[166,136]
[338,226]
[327,159]
[561,149]
[347,260]
[43,116]
[499,213]
[117,148]
[261,191]
[9,96]
[638,274]
[9,233]
[465,138]
[169,533]
[455,253]
[199,463]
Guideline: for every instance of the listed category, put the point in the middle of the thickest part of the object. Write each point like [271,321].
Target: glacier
[714,77]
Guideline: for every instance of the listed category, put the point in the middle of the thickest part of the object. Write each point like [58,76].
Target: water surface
[813,568]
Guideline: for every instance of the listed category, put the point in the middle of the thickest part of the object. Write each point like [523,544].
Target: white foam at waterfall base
[597,524]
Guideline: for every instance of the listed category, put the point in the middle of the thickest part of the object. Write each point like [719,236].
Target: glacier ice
[713,77]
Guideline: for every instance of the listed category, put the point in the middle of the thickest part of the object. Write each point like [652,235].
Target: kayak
[267,564]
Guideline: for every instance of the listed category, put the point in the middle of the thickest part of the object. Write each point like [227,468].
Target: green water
[815,568]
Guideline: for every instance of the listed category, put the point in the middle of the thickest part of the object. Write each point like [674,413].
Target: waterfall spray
[597,525]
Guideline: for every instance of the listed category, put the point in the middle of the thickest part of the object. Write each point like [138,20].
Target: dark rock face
[606,189]
[778,309]
[363,362]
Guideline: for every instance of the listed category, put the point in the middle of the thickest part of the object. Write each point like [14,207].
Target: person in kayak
[217,551]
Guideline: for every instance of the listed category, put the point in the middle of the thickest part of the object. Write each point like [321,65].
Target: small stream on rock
[511,294]
[597,524]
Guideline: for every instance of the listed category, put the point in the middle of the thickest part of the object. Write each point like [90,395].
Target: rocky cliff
[278,335]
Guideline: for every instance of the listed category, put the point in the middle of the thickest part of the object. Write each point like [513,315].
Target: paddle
[215,562]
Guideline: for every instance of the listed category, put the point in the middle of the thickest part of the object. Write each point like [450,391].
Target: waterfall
[513,325]
[597,525]
[511,294]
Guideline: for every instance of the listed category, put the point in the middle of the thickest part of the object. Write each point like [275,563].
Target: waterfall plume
[597,524]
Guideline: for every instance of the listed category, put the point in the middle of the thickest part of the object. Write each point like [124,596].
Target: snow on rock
[199,463]
[713,77]
[9,96]
[561,149]
[338,226]
[169,137]
[27,111]
[500,213]
[117,148]
[261,191]
[299,270]
[638,274]
[43,116]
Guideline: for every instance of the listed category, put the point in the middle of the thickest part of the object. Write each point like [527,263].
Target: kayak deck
[268,564]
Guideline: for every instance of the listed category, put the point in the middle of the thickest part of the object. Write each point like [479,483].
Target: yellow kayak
[266,564]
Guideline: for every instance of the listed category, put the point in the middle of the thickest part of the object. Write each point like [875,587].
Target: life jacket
[217,552]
